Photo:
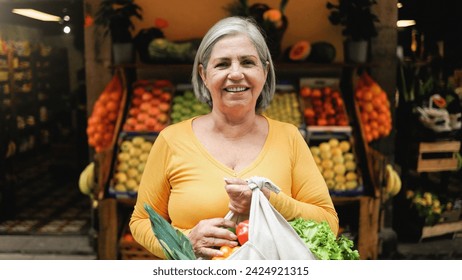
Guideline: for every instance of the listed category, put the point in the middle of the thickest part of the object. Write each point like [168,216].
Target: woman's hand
[240,195]
[209,235]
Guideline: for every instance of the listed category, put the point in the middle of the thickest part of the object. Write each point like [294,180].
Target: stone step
[46,247]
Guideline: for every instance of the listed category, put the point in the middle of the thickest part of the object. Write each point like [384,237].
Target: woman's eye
[248,62]
[221,64]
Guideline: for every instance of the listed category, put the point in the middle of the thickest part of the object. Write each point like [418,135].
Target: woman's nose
[235,72]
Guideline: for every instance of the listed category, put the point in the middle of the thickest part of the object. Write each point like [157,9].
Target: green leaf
[322,242]
[174,243]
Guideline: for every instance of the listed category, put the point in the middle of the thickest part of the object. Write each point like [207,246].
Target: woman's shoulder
[176,130]
[279,126]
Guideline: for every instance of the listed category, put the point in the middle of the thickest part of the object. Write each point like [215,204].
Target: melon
[322,52]
[299,51]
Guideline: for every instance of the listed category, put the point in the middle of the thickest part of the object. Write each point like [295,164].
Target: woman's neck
[233,127]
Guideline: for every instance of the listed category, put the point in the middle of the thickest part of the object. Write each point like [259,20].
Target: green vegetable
[322,242]
[175,244]
[231,229]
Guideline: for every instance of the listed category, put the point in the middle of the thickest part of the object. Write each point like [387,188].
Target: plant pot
[356,51]
[122,53]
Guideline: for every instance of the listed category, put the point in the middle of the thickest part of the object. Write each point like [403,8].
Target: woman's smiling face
[234,75]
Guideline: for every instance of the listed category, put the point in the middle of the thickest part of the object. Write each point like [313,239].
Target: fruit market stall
[316,106]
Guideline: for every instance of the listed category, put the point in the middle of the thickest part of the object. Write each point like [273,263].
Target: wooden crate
[131,250]
[437,156]
[368,231]
[442,229]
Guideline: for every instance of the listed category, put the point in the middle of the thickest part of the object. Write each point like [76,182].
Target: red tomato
[242,232]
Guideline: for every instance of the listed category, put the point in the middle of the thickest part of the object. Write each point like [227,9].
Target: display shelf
[27,129]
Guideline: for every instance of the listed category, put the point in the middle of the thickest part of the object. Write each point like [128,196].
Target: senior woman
[196,170]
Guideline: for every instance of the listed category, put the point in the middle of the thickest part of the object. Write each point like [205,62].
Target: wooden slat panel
[439,147]
[436,165]
[441,229]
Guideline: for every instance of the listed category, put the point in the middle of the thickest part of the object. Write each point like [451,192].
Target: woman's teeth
[236,89]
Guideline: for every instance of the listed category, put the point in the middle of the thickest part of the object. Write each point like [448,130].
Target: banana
[390,179]
[398,183]
[86,179]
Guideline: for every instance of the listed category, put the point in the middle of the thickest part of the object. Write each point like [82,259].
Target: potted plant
[358,23]
[115,16]
[273,21]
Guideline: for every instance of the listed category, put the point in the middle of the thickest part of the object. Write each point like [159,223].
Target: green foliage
[242,8]
[115,17]
[322,242]
[175,244]
[427,205]
[356,17]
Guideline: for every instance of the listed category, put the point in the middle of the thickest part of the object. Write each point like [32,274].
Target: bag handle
[255,183]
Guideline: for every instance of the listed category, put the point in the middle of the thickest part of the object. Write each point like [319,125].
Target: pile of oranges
[150,106]
[374,108]
[102,121]
[323,106]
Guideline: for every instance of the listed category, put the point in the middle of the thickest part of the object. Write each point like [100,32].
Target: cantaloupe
[299,51]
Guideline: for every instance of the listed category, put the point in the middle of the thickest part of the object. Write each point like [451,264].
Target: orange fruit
[367,95]
[316,93]
[305,92]
[367,107]
[226,250]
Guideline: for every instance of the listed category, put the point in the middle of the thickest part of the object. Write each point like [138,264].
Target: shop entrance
[43,120]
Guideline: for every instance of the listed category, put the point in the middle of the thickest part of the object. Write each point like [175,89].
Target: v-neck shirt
[184,183]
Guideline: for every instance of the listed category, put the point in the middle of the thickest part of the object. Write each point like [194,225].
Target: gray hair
[231,26]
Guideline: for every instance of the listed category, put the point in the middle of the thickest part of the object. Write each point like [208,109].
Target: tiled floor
[44,208]
[50,220]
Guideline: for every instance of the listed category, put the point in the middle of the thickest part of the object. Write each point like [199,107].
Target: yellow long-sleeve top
[185,184]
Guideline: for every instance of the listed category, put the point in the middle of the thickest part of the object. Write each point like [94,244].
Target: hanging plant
[115,16]
[356,17]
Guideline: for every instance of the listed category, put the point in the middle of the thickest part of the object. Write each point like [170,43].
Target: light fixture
[405,23]
[36,15]
[67,29]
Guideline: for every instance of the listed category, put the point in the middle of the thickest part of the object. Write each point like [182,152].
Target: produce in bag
[266,225]
[322,242]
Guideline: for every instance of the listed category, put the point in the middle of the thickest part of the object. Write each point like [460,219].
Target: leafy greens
[322,242]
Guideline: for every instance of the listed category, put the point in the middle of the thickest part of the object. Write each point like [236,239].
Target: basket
[323,105]
[337,187]
[436,119]
[135,162]
[149,107]
[286,106]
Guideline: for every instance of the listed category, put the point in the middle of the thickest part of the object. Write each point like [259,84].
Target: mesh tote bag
[271,237]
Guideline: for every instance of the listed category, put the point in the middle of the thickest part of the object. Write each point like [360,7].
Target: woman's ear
[202,73]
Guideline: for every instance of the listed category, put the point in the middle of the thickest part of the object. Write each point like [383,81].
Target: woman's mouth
[236,89]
